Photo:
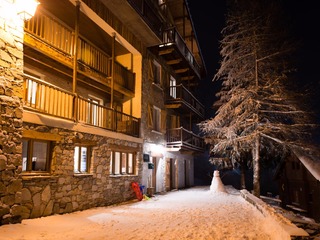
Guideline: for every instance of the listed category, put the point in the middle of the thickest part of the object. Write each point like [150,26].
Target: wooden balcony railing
[149,11]
[180,94]
[57,35]
[47,98]
[42,97]
[180,138]
[171,36]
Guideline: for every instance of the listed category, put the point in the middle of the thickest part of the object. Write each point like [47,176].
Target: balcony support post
[112,68]
[75,61]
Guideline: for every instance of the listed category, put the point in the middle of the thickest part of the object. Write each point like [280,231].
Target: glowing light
[26,8]
[157,150]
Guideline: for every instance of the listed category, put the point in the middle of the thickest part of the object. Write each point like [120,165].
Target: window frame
[95,103]
[155,72]
[156,116]
[173,87]
[117,166]
[156,119]
[29,154]
[88,159]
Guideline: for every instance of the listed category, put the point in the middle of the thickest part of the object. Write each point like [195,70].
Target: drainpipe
[75,62]
[112,68]
[131,103]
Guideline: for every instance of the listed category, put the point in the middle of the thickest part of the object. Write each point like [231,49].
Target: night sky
[208,19]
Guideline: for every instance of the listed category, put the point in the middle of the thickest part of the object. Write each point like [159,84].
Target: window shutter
[150,116]
[163,121]
[150,70]
[163,77]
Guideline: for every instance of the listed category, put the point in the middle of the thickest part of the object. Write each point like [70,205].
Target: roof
[310,158]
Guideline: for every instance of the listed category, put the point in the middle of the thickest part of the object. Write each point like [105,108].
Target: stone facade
[182,164]
[63,191]
[11,63]
[33,194]
[25,196]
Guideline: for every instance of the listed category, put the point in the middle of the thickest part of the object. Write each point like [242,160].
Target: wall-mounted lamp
[26,8]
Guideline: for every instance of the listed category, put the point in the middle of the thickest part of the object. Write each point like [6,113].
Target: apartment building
[95,95]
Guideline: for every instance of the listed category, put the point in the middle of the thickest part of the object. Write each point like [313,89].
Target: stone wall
[62,191]
[11,64]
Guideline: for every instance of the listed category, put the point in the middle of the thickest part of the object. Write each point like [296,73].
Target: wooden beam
[187,78]
[41,135]
[182,70]
[166,51]
[177,105]
[175,61]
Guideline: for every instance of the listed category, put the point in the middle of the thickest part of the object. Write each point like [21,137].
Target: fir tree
[257,109]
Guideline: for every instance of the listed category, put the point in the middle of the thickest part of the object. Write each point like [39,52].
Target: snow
[194,213]
[216,183]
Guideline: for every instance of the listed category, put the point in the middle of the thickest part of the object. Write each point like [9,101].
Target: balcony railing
[46,98]
[149,11]
[180,138]
[58,36]
[180,94]
[172,37]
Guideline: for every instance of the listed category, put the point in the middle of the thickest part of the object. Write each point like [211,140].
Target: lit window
[81,159]
[31,91]
[35,155]
[116,163]
[130,163]
[122,163]
[95,116]
[173,87]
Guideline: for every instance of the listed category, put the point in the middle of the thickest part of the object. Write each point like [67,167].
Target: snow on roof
[310,159]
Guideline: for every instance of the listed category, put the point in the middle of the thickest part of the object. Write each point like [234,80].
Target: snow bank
[274,222]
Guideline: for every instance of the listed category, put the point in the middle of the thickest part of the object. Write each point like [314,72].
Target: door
[168,174]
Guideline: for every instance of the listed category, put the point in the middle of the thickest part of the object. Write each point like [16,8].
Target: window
[32,91]
[155,72]
[173,87]
[156,118]
[95,115]
[35,155]
[122,162]
[174,121]
[81,159]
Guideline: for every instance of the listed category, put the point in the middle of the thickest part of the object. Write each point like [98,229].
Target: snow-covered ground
[195,213]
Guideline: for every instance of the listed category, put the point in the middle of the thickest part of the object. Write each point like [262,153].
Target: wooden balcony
[173,47]
[179,98]
[150,12]
[177,54]
[48,99]
[180,139]
[47,38]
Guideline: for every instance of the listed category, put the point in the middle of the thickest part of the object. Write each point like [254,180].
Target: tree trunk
[256,167]
[243,175]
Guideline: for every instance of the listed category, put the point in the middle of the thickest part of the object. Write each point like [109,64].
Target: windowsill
[122,175]
[157,132]
[82,174]
[30,175]
[157,86]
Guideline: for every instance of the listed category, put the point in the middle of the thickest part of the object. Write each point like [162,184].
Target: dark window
[35,155]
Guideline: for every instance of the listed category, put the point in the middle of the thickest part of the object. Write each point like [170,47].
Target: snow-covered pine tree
[257,112]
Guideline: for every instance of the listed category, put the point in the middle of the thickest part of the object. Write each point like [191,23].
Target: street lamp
[26,8]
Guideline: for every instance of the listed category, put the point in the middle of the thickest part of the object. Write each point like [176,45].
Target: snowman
[216,183]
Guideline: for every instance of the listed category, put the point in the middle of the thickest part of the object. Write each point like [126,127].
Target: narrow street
[194,213]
